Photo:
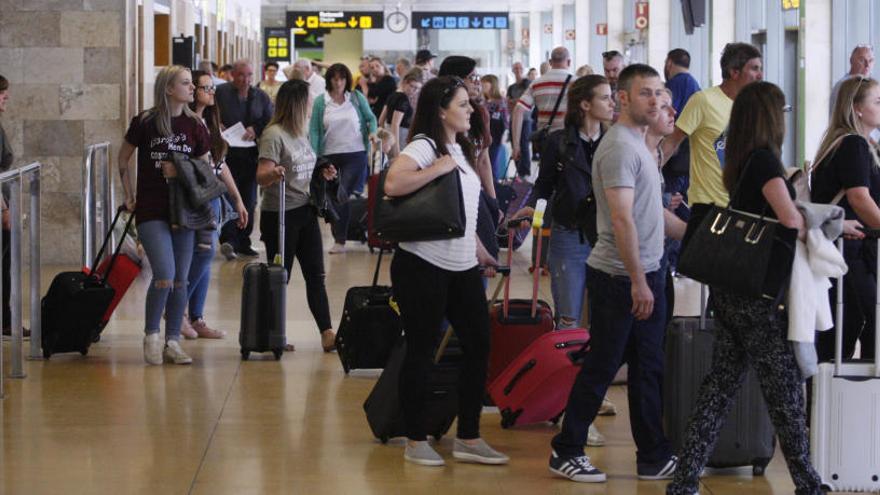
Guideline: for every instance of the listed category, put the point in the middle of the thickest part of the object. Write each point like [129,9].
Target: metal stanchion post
[36,318]
[15,277]
[2,390]
[86,207]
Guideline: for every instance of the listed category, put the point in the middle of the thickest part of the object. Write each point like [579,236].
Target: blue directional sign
[460,20]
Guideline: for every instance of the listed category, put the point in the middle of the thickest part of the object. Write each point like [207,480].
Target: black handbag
[737,251]
[434,212]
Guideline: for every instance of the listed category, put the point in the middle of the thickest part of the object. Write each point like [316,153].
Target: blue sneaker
[660,471]
[577,468]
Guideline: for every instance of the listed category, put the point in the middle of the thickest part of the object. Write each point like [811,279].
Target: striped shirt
[543,93]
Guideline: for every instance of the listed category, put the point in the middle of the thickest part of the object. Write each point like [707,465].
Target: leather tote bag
[738,251]
[434,212]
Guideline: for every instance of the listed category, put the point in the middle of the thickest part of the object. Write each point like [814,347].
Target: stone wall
[66,64]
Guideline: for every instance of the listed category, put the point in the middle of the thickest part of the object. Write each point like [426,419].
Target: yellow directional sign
[277,42]
[335,20]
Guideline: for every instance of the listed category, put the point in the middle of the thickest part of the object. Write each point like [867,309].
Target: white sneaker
[594,437]
[607,408]
[337,249]
[153,349]
[174,353]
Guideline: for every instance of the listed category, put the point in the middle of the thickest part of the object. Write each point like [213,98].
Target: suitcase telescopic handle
[282,186]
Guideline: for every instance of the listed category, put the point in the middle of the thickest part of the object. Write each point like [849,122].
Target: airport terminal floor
[108,423]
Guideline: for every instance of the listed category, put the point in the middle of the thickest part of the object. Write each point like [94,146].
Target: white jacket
[815,262]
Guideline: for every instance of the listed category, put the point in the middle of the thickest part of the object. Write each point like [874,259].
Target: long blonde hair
[844,122]
[292,107]
[161,111]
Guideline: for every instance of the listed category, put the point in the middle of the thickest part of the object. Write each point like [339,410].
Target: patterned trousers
[747,331]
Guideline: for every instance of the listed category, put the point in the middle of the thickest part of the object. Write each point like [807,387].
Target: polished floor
[109,424]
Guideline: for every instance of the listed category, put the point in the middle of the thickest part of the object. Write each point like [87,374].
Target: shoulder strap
[422,137]
[558,101]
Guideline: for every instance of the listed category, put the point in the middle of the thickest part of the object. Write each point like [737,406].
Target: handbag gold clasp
[719,230]
[757,238]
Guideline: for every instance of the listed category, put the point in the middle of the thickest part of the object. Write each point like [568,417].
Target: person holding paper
[242,103]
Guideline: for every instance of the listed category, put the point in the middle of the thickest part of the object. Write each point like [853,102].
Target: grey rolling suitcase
[263,299]
[748,438]
[845,429]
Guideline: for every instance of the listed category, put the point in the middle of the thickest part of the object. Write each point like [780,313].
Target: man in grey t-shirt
[626,287]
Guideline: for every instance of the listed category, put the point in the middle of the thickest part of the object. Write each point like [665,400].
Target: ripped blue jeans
[567,261]
[170,253]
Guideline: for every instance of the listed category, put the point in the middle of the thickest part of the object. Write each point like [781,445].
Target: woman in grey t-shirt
[285,154]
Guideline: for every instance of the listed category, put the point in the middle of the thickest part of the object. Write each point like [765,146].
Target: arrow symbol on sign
[426,23]
[352,22]
[300,22]
[475,22]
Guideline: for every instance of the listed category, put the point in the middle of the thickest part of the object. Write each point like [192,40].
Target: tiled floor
[109,424]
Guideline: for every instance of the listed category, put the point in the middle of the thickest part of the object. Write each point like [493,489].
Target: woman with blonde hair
[496,105]
[167,127]
[286,154]
[847,172]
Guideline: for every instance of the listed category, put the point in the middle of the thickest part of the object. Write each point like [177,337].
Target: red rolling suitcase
[514,324]
[125,271]
[372,189]
[535,386]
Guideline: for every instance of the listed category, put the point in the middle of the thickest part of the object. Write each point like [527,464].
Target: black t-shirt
[381,90]
[761,167]
[851,165]
[399,102]
[190,138]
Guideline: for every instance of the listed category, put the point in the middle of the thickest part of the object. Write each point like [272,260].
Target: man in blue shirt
[678,78]
[676,172]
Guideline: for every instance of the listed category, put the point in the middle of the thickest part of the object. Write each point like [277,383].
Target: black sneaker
[576,468]
[247,251]
[660,471]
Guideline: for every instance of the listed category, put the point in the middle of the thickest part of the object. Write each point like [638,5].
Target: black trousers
[242,163]
[426,294]
[859,298]
[302,239]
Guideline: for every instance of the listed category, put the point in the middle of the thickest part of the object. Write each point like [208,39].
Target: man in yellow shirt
[704,120]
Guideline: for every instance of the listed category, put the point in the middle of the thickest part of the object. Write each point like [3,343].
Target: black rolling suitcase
[72,312]
[384,413]
[369,328]
[263,300]
[748,438]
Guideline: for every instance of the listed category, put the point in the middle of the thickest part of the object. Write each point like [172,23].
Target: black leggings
[302,238]
[859,298]
[426,294]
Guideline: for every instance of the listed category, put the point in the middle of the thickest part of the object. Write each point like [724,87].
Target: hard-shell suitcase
[536,385]
[748,438]
[384,413]
[845,429]
[515,324]
[357,223]
[73,310]
[263,300]
[373,240]
[369,327]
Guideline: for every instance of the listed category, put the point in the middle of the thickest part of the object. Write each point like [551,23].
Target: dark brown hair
[212,120]
[756,122]
[436,95]
[583,89]
[4,84]
[337,70]
[735,56]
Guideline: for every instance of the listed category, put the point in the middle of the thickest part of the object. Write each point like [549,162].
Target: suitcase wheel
[245,355]
[84,351]
[508,418]
[96,339]
[278,353]
[555,419]
[383,439]
[759,466]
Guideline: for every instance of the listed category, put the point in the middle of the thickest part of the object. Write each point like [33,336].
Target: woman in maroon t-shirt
[169,126]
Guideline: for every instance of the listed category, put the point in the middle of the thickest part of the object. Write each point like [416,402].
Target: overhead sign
[277,43]
[309,39]
[337,19]
[460,20]
[791,4]
[642,15]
